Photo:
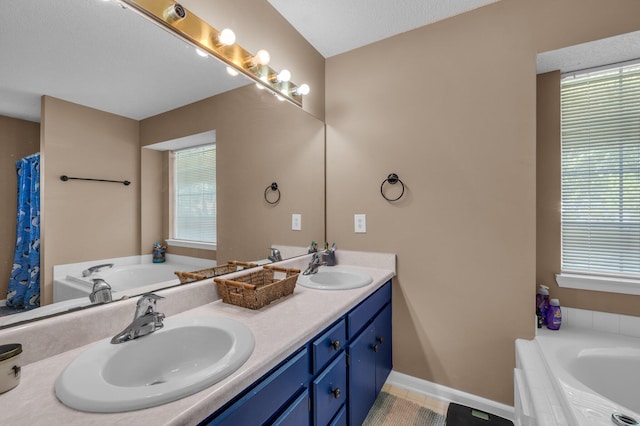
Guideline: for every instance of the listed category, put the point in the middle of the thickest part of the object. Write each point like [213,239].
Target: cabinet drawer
[297,414]
[361,314]
[327,346]
[330,390]
[269,396]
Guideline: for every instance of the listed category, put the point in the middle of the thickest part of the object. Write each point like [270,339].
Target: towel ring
[392,179]
[273,187]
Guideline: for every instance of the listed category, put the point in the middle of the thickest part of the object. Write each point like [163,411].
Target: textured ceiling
[610,50]
[337,26]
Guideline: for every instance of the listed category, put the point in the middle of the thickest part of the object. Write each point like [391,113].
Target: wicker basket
[232,266]
[257,289]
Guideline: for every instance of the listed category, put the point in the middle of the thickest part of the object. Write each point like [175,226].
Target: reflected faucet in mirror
[101,292]
[89,271]
[146,320]
[275,255]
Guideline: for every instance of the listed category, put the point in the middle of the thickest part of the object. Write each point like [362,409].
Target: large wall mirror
[100,92]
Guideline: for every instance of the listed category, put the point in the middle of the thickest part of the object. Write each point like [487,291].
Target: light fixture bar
[202,35]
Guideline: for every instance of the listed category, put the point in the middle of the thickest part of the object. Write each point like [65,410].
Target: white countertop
[279,329]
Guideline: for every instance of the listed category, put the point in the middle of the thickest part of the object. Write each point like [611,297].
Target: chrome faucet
[275,255]
[145,321]
[87,272]
[101,292]
[314,264]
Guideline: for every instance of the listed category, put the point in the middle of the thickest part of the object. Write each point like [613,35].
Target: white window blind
[601,172]
[195,194]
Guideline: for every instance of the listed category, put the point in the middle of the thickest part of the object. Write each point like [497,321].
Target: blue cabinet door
[330,391]
[383,336]
[362,378]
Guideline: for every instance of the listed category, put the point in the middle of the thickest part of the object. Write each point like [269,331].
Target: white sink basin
[187,355]
[335,278]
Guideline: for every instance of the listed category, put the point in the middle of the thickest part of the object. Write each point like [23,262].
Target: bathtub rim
[548,385]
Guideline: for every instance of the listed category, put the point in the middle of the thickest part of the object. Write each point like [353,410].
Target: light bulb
[262,86]
[262,57]
[232,72]
[226,37]
[284,75]
[304,89]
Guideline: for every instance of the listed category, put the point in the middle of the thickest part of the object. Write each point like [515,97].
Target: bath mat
[389,410]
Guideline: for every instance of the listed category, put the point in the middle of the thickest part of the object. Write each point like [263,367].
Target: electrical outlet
[360,223]
[296,222]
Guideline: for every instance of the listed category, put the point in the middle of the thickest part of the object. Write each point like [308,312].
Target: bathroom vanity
[314,378]
[320,357]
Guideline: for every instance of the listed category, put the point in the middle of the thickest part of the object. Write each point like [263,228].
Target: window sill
[192,244]
[599,283]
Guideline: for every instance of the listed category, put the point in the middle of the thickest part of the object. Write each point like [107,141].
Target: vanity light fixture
[221,44]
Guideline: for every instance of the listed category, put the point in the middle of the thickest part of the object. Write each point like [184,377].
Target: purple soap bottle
[542,302]
[554,315]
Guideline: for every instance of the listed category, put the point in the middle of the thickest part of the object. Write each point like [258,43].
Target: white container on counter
[10,365]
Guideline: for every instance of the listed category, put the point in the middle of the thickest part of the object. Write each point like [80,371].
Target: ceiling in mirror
[52,48]
[612,50]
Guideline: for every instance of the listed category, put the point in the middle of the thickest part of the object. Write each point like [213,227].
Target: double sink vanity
[319,356]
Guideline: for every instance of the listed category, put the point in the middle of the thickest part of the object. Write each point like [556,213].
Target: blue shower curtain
[24,283]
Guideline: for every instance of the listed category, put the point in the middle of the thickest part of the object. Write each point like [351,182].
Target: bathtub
[129,276]
[576,377]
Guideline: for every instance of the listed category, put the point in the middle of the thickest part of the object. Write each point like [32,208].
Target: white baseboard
[435,390]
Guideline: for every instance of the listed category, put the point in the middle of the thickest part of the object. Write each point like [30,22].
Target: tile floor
[435,405]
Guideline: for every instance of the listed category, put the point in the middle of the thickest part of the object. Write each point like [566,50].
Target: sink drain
[623,420]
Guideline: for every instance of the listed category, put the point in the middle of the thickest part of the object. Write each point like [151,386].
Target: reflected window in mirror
[194,195]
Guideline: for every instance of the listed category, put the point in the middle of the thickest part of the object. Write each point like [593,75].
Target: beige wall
[259,140]
[458,126]
[548,210]
[259,26]
[19,138]
[87,220]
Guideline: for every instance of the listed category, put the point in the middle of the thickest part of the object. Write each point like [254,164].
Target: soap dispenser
[542,304]
[554,315]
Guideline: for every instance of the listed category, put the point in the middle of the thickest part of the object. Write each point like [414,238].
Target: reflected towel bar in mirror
[65,178]
[274,188]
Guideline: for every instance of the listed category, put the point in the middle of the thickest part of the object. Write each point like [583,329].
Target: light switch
[296,222]
[360,223]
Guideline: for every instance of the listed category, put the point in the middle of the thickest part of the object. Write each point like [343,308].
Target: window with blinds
[194,171]
[601,172]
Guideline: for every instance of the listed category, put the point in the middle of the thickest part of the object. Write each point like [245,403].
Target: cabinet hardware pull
[335,344]
[375,347]
[336,393]
[380,340]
